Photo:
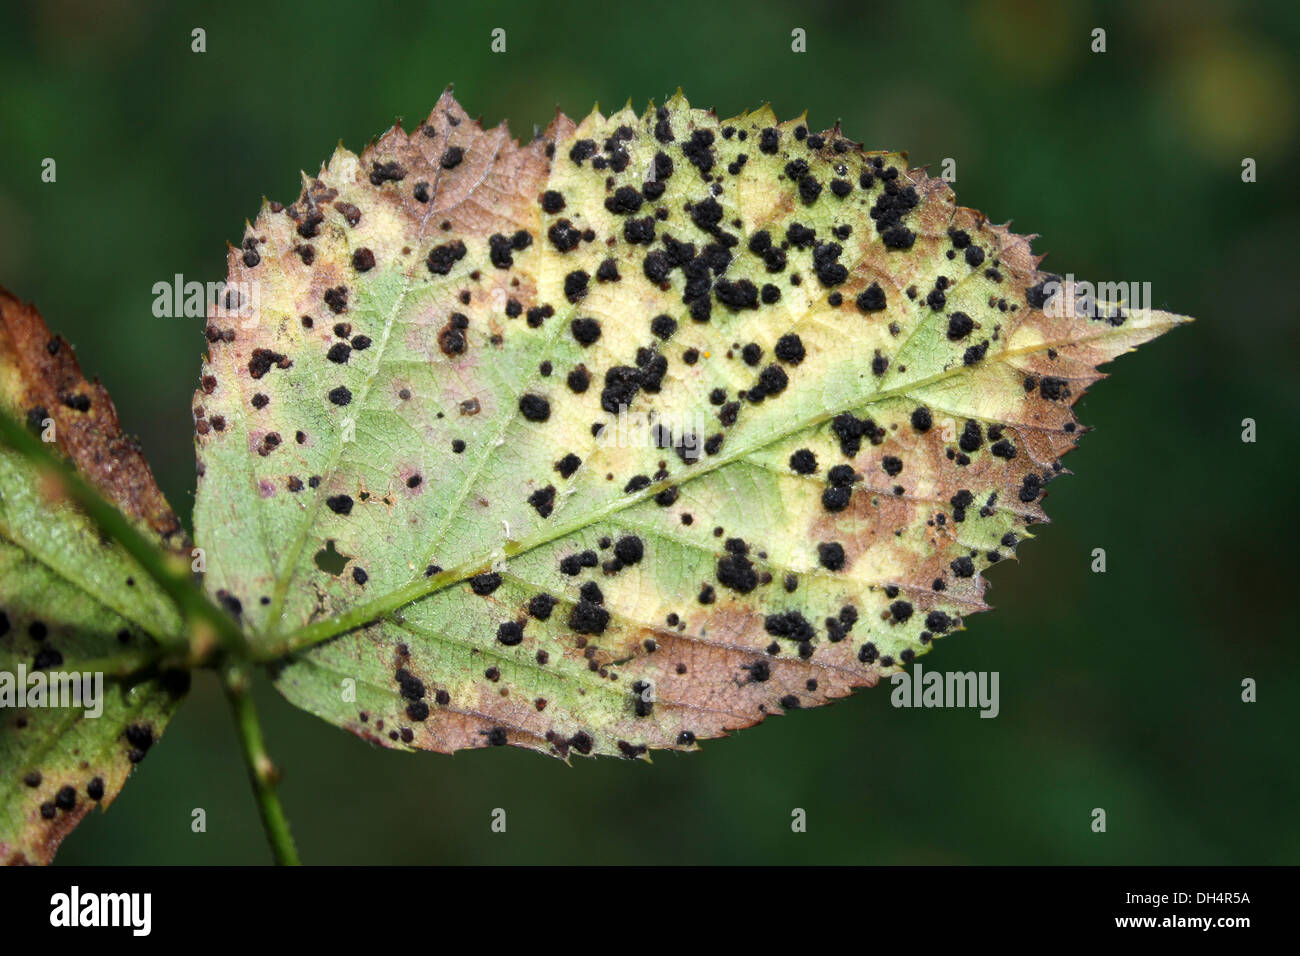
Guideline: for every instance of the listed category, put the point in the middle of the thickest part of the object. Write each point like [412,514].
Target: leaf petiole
[261,771]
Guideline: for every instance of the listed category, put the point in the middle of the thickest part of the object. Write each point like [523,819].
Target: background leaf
[70,600]
[853,397]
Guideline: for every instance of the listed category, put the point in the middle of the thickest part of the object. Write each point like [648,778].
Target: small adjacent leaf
[68,598]
[413,441]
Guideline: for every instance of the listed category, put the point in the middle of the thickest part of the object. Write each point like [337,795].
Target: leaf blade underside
[470,310]
[68,597]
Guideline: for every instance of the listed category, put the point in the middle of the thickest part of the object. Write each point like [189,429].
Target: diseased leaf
[69,598]
[854,399]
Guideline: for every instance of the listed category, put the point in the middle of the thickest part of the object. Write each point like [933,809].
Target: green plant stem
[262,772]
[176,581]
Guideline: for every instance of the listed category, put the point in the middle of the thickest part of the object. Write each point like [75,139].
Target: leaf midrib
[358,615]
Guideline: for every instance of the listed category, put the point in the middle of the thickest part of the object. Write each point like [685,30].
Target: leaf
[399,453]
[69,600]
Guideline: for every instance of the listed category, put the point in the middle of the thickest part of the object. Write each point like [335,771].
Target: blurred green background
[1119,690]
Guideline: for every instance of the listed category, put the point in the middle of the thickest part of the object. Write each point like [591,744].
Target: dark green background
[1119,690]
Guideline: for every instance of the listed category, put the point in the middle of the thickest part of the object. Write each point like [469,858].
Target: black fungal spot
[484,584]
[540,606]
[543,500]
[46,658]
[443,257]
[575,285]
[381,173]
[534,407]
[337,299]
[663,326]
[771,381]
[831,555]
[656,267]
[1053,388]
[803,461]
[738,295]
[898,237]
[608,271]
[624,201]
[850,430]
[587,617]
[259,363]
[579,380]
[1031,488]
[629,549]
[567,465]
[937,621]
[759,671]
[585,331]
[622,382]
[418,711]
[699,150]
[582,150]
[736,572]
[790,349]
[564,236]
[836,498]
[790,626]
[140,737]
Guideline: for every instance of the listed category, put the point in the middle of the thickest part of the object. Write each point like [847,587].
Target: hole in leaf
[329,560]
